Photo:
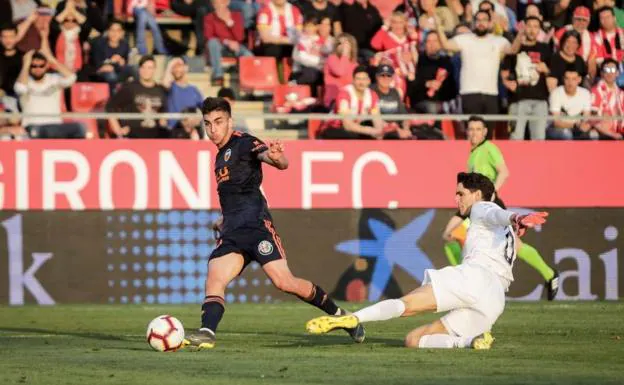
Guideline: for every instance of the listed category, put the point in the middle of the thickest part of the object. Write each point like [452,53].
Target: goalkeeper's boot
[553,286]
[325,324]
[358,334]
[483,341]
[204,338]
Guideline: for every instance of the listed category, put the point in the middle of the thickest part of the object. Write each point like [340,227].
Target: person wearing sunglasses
[608,100]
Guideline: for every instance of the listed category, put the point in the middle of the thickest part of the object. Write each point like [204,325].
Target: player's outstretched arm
[274,155]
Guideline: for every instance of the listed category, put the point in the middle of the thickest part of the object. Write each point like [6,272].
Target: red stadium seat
[448,129]
[286,69]
[258,73]
[280,92]
[86,97]
[314,127]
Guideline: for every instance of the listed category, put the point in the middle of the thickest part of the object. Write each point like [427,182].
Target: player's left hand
[276,150]
[528,221]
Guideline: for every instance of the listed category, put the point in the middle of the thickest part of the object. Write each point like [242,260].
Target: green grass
[560,343]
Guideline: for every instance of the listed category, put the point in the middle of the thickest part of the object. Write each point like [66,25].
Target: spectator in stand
[326,40]
[308,57]
[141,96]
[391,102]
[10,128]
[430,11]
[339,67]
[362,20]
[499,24]
[197,11]
[68,47]
[85,15]
[525,75]
[109,56]
[188,128]
[182,95]
[41,93]
[561,11]
[533,10]
[279,23]
[225,35]
[481,53]
[570,100]
[144,12]
[356,99]
[30,18]
[565,58]
[321,9]
[10,59]
[434,84]
[608,100]
[580,22]
[394,39]
[609,39]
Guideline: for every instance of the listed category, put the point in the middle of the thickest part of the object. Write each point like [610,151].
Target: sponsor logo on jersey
[265,248]
[228,154]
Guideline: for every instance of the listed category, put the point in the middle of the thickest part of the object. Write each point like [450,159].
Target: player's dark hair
[216,104]
[486,13]
[568,35]
[226,92]
[474,181]
[539,21]
[608,61]
[8,27]
[360,68]
[477,118]
[570,68]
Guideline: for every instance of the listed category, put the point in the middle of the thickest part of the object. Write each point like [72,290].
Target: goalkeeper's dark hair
[474,181]
[211,104]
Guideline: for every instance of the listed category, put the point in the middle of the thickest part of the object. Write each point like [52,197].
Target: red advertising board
[155,174]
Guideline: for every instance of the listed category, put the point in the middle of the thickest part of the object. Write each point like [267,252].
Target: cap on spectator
[385,69]
[582,12]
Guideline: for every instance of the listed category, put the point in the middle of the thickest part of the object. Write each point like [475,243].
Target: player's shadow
[333,339]
[90,335]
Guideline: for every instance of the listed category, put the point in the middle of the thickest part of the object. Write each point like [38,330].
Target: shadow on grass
[91,335]
[300,340]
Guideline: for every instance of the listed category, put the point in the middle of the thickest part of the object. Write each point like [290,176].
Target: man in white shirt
[472,293]
[481,53]
[41,92]
[570,100]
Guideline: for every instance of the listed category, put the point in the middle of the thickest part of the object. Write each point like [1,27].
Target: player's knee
[215,285]
[413,339]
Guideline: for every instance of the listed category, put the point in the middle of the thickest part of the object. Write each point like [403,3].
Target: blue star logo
[392,247]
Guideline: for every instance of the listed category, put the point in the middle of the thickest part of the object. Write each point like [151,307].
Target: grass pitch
[558,343]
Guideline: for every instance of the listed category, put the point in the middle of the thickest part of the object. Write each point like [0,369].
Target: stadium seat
[280,92]
[258,73]
[286,69]
[86,97]
[448,129]
[314,127]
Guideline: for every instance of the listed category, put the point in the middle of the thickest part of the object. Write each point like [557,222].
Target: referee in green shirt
[486,158]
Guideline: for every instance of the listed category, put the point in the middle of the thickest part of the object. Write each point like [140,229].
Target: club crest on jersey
[265,248]
[227,155]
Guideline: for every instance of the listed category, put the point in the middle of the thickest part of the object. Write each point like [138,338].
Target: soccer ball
[165,333]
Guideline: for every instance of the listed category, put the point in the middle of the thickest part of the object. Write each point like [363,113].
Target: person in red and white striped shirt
[278,25]
[308,56]
[356,99]
[580,22]
[608,100]
[398,42]
[608,41]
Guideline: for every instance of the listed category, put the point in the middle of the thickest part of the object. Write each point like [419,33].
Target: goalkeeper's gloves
[522,222]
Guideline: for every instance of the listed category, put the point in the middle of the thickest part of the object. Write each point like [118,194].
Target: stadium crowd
[525,58]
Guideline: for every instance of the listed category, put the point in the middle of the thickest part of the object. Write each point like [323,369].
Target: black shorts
[260,244]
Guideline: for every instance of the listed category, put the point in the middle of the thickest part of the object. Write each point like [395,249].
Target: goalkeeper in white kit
[472,293]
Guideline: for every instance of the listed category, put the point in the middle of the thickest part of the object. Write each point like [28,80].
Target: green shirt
[619,17]
[484,159]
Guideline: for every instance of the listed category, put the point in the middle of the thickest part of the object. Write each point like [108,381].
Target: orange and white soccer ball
[165,333]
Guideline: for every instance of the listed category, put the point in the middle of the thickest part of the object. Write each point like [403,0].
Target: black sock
[320,299]
[212,312]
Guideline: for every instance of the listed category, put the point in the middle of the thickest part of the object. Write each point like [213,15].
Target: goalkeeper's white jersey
[491,241]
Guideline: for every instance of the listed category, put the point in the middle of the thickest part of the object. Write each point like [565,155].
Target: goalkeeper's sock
[452,249]
[381,311]
[212,312]
[531,256]
[443,341]
[319,298]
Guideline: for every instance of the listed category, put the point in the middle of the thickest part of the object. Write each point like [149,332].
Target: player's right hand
[528,221]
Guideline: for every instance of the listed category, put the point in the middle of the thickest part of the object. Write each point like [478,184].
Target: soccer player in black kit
[246,232]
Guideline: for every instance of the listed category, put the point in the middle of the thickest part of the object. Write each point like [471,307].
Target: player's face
[532,30]
[219,127]
[476,132]
[8,39]
[465,198]
[361,81]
